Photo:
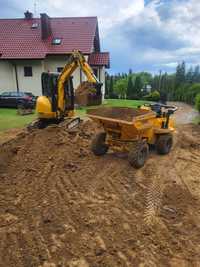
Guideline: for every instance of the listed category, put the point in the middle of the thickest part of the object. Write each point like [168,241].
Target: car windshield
[16,94]
[29,94]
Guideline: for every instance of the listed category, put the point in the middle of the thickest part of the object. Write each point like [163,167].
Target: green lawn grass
[113,103]
[197,120]
[123,103]
[10,119]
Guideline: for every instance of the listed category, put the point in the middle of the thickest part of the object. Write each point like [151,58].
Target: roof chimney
[28,15]
[45,26]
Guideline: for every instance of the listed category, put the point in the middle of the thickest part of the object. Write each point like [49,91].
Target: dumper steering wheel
[157,107]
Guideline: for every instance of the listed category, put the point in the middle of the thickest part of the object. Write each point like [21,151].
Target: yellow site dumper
[133,130]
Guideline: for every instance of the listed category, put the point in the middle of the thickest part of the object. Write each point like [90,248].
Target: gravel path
[185,113]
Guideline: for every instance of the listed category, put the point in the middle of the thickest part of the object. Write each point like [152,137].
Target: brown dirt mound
[119,113]
[190,136]
[86,95]
[85,88]
[62,206]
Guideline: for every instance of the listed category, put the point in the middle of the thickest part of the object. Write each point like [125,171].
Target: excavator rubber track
[68,123]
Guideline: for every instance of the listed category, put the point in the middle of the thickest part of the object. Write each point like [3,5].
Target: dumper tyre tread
[98,146]
[138,154]
[164,144]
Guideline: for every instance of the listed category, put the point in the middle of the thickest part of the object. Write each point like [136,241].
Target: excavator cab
[50,90]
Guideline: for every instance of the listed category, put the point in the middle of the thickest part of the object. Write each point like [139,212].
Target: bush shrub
[153,96]
[191,93]
[197,102]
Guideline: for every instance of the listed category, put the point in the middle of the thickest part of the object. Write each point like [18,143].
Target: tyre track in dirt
[66,207]
[184,115]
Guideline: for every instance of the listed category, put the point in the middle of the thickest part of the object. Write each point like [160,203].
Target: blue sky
[145,35]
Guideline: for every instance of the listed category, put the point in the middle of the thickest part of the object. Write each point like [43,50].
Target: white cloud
[169,65]
[138,35]
[109,12]
[163,33]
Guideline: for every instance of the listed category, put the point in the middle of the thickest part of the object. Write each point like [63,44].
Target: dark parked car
[16,99]
[34,98]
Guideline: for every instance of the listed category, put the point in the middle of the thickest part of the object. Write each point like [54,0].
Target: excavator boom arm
[76,60]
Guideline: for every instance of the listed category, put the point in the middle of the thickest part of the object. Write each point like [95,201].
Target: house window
[59,69]
[56,41]
[28,71]
[34,26]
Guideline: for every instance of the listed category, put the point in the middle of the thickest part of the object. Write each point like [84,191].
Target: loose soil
[185,113]
[119,113]
[5,136]
[62,206]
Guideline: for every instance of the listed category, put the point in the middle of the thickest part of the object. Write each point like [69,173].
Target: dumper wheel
[138,154]
[98,145]
[164,144]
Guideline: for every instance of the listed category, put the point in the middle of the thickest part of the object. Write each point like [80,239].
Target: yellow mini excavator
[57,100]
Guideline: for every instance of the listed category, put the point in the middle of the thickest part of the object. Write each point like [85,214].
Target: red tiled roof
[18,40]
[99,59]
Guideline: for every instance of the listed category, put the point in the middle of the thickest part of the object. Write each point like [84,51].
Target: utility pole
[16,77]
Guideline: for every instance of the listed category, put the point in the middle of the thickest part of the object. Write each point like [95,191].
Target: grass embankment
[114,103]
[197,120]
[10,119]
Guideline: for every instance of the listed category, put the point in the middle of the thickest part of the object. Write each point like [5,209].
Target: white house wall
[28,84]
[7,81]
[51,64]
[33,83]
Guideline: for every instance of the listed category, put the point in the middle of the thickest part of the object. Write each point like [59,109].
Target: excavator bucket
[88,94]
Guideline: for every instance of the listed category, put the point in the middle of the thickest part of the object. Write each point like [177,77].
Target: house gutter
[16,77]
